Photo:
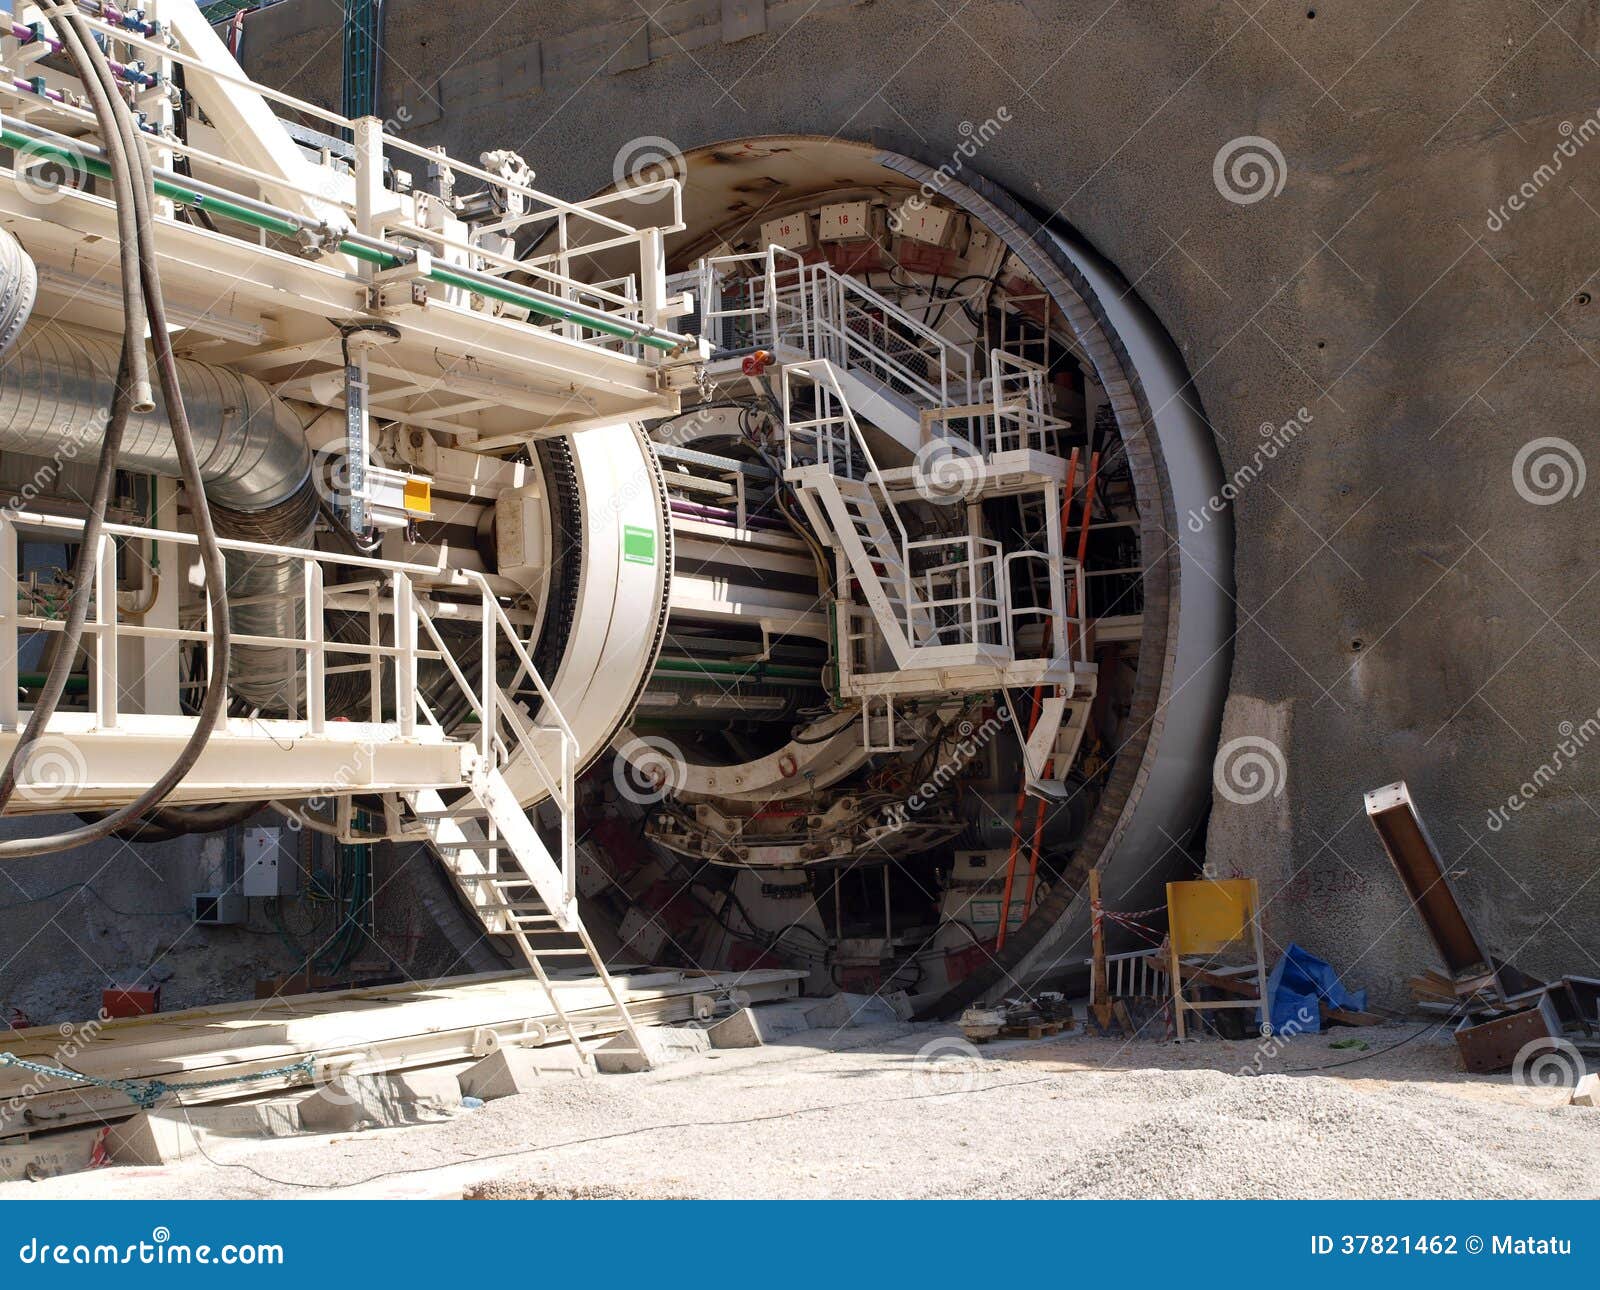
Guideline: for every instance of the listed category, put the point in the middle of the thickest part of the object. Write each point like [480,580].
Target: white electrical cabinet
[268,870]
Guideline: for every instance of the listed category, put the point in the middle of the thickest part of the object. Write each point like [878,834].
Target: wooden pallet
[1029,1030]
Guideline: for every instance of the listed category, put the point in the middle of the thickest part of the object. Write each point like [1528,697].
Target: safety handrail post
[405,663]
[105,638]
[316,653]
[487,679]
[10,713]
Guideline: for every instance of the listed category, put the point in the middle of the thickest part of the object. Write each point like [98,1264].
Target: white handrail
[589,215]
[825,377]
[407,608]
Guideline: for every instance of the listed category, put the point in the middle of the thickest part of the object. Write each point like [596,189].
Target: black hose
[132,389]
[96,74]
[169,823]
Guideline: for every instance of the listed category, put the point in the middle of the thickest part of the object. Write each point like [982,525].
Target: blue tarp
[1298,984]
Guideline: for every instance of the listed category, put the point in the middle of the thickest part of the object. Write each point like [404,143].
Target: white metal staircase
[461,790]
[937,613]
[489,845]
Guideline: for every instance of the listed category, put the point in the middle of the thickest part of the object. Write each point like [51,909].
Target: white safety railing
[1057,569]
[840,447]
[757,300]
[964,595]
[861,330]
[1018,403]
[570,235]
[774,300]
[385,594]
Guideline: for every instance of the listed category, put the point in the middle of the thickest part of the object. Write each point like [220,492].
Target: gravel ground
[859,1113]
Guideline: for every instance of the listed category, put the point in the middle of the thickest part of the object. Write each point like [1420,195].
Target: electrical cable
[169,823]
[1328,1066]
[94,71]
[131,393]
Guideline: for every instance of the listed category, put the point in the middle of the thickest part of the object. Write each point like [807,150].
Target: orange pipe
[1033,719]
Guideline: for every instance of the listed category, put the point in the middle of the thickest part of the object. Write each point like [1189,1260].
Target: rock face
[1415,596]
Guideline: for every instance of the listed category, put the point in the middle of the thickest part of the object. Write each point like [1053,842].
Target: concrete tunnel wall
[1404,609]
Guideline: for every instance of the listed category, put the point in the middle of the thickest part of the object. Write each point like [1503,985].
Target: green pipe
[510,295]
[35,681]
[706,667]
[372,255]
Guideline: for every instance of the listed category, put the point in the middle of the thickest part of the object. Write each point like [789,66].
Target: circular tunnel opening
[767,824]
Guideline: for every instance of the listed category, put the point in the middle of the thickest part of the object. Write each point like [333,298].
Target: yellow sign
[1208,916]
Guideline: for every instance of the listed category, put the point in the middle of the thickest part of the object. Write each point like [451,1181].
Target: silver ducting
[19,286]
[56,383]
[55,396]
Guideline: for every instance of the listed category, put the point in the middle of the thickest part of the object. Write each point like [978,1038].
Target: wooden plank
[439,1023]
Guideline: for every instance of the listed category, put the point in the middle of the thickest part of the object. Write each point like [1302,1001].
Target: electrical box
[845,222]
[268,871]
[791,232]
[218,908]
[923,223]
[975,891]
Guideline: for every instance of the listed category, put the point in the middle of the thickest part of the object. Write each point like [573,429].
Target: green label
[638,545]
